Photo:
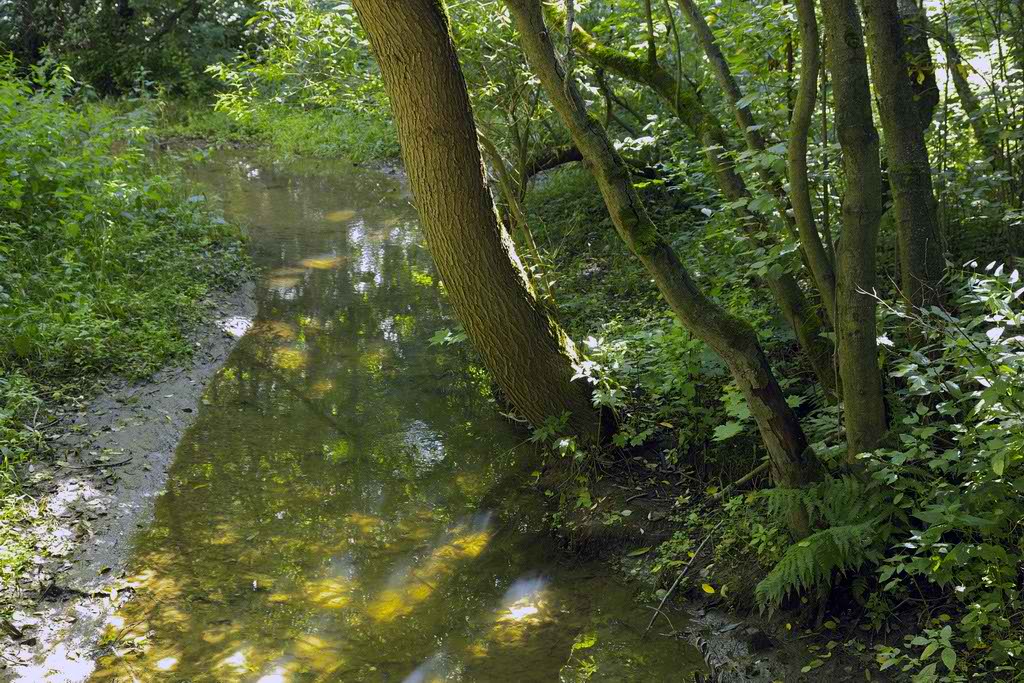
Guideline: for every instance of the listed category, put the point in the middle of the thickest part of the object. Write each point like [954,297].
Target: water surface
[348,505]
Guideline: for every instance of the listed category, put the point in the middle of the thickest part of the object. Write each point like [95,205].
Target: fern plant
[854,517]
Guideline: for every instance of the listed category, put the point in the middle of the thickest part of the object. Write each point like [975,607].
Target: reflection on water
[324,517]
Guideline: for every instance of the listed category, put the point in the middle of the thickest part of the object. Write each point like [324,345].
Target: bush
[940,516]
[104,258]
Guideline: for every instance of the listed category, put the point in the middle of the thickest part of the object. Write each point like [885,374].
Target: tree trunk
[818,261]
[793,462]
[686,104]
[796,157]
[920,243]
[925,86]
[985,134]
[529,356]
[863,407]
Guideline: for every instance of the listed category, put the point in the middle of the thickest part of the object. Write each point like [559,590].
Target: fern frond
[813,562]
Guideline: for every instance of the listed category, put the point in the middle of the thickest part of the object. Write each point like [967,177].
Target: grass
[285,130]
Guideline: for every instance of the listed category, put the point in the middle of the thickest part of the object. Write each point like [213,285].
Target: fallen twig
[679,578]
[742,480]
[98,466]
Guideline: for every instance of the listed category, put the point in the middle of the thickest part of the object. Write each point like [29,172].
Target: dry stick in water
[680,577]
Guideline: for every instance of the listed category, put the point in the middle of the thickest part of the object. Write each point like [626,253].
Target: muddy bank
[739,643]
[111,461]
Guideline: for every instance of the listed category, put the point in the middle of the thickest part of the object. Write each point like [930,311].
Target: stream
[349,505]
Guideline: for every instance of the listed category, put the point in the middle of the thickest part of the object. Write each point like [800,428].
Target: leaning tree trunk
[920,243]
[793,463]
[986,135]
[863,407]
[526,352]
[818,261]
[685,102]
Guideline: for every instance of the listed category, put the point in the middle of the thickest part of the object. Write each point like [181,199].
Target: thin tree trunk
[796,157]
[526,352]
[793,462]
[821,267]
[680,95]
[723,74]
[920,243]
[984,134]
[863,406]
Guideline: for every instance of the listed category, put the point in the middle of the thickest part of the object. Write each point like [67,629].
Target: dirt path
[111,463]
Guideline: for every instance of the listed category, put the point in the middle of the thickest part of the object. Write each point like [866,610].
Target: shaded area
[323,517]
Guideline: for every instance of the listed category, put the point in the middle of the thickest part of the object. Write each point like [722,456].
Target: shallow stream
[349,505]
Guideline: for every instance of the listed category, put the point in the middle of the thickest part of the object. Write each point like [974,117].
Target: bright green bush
[308,86]
[104,256]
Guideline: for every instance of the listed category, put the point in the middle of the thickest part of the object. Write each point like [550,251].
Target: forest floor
[714,587]
[109,462]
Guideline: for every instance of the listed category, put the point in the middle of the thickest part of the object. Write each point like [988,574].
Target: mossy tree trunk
[525,351]
[863,407]
[794,464]
[818,257]
[910,174]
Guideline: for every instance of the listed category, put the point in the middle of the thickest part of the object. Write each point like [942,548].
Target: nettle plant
[939,517]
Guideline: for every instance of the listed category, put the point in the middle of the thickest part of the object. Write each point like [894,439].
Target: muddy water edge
[348,505]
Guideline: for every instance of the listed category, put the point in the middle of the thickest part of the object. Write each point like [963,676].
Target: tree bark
[863,407]
[796,156]
[925,86]
[529,356]
[793,462]
[920,243]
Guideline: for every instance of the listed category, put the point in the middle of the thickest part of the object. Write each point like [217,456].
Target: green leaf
[727,431]
[745,100]
[949,658]
[999,462]
[584,641]
[639,551]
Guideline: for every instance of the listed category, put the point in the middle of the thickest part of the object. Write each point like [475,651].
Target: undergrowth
[288,131]
[105,259]
[921,543]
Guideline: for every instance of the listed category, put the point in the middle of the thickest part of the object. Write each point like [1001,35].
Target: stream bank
[113,454]
[347,503]
[335,344]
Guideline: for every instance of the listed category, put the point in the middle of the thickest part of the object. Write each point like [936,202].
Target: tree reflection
[320,517]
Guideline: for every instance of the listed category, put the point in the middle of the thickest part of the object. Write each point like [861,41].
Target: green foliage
[812,563]
[114,47]
[853,526]
[103,255]
[308,85]
[104,260]
[941,513]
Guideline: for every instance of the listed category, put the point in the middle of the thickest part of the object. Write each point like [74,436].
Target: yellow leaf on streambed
[708,588]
